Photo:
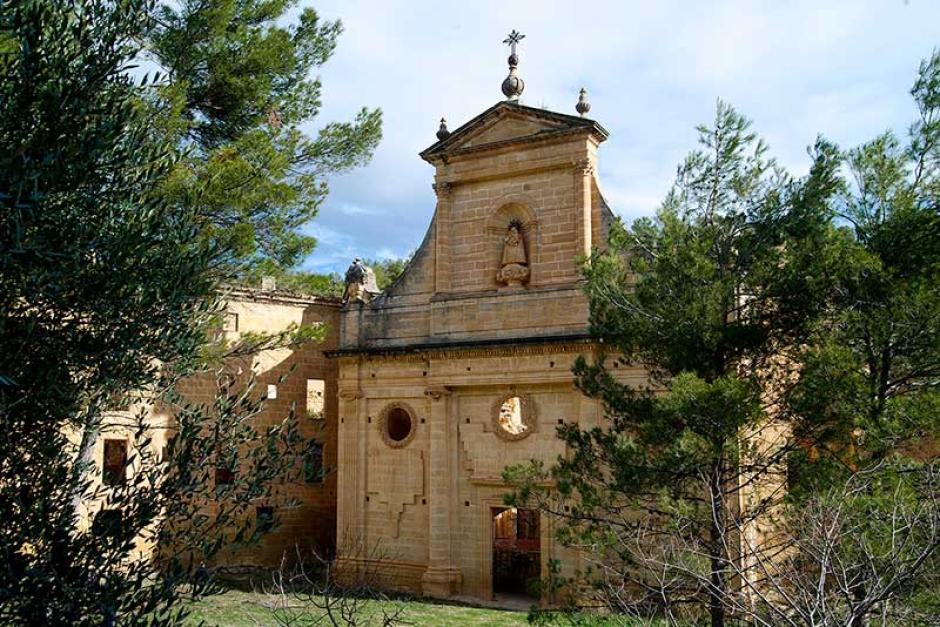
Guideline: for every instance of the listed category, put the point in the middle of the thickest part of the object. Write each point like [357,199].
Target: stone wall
[450,343]
[311,524]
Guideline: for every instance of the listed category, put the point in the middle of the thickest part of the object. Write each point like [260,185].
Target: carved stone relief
[514,416]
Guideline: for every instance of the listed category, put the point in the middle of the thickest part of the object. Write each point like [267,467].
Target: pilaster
[442,578]
[445,193]
[584,173]
[350,471]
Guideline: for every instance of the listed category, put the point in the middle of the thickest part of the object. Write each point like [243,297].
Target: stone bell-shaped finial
[583,105]
[442,132]
[513,85]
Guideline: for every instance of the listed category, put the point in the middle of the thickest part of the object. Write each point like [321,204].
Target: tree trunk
[716,607]
[719,562]
[83,458]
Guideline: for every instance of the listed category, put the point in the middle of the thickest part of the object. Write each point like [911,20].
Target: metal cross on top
[514,38]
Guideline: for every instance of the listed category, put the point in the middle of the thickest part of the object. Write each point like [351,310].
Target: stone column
[442,578]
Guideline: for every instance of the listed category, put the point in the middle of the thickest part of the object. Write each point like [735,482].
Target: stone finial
[442,132]
[268,284]
[513,85]
[583,105]
[360,282]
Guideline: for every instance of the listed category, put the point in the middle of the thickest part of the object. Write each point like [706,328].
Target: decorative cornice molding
[474,348]
[572,124]
[534,139]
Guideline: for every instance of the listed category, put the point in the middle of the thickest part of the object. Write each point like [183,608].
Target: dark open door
[517,561]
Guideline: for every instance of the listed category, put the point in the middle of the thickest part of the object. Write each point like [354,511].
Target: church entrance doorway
[517,560]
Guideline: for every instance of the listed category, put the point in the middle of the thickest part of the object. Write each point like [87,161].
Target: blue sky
[653,71]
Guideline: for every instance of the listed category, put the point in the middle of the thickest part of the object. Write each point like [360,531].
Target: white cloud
[653,71]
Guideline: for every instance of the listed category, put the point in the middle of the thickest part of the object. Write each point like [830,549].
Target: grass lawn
[253,609]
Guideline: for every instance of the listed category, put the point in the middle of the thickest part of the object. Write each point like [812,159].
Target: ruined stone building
[459,368]
[463,365]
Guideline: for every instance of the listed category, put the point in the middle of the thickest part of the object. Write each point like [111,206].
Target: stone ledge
[512,344]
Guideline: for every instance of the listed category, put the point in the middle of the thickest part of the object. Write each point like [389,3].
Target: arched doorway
[517,560]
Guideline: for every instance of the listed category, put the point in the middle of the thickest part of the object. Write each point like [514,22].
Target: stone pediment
[508,123]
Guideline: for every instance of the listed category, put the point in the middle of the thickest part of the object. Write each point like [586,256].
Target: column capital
[443,189]
[584,166]
[350,395]
[437,392]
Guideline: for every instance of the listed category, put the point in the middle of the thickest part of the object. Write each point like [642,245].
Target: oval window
[398,424]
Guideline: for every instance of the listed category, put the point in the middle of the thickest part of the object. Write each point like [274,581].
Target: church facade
[463,365]
[422,394]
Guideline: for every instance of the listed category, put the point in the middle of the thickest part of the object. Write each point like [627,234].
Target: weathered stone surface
[490,310]
[410,386]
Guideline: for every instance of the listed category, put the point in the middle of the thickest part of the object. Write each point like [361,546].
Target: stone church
[463,365]
[425,392]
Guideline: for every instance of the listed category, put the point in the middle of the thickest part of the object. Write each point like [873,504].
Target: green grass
[253,609]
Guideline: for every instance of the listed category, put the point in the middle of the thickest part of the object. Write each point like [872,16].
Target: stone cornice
[513,142]
[281,297]
[572,343]
[449,147]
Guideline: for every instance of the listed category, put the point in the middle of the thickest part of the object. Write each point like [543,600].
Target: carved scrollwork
[442,189]
[349,395]
[585,167]
[437,393]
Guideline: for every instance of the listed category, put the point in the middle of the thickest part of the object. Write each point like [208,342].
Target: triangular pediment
[506,123]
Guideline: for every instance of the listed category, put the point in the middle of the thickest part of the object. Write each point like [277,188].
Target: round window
[398,424]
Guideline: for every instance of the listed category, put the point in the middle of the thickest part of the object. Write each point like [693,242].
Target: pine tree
[238,98]
[105,287]
[709,299]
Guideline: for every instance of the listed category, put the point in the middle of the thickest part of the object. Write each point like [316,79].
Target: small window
[264,518]
[397,425]
[230,322]
[316,398]
[115,462]
[313,462]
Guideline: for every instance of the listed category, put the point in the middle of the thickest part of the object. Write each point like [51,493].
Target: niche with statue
[513,236]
